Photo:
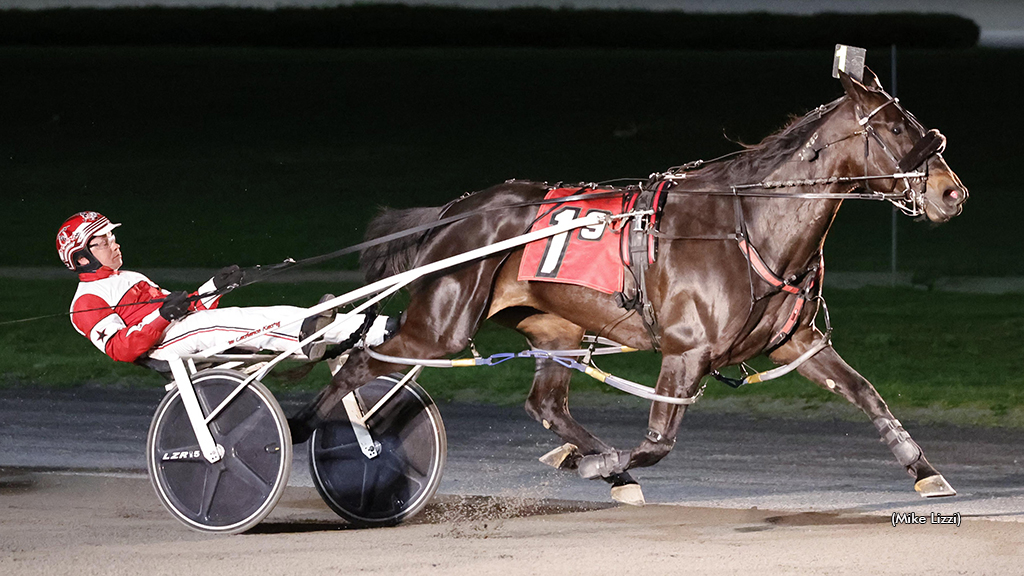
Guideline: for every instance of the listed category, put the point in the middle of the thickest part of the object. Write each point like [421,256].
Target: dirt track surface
[58,523]
[74,499]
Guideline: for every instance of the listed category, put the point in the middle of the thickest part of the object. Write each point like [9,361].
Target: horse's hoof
[934,487]
[564,457]
[301,428]
[629,494]
[603,465]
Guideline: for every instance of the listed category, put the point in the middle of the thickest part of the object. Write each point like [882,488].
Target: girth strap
[805,294]
[638,250]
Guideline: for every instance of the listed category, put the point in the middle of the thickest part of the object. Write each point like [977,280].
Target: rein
[259,273]
[931,144]
[908,201]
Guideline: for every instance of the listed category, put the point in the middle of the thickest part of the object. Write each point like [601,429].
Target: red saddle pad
[585,256]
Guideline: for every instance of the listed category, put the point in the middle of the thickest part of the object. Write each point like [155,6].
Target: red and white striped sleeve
[208,303]
[95,319]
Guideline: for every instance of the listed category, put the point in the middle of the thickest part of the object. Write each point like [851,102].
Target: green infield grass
[921,349]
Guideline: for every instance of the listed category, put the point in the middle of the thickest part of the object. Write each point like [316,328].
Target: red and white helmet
[73,239]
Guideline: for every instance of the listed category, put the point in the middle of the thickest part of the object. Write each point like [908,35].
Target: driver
[114,308]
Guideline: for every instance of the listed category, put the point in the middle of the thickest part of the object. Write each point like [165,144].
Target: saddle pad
[585,256]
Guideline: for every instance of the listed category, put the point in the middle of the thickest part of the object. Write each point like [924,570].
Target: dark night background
[218,145]
[241,136]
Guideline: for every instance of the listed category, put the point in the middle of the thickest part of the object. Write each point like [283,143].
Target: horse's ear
[871,80]
[854,89]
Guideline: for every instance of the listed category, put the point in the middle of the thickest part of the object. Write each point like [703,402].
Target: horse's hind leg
[440,320]
[359,369]
[548,401]
[829,371]
[680,377]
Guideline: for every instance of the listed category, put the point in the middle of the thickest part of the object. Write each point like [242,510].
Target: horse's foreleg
[828,370]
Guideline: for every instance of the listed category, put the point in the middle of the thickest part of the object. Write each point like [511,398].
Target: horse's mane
[756,161]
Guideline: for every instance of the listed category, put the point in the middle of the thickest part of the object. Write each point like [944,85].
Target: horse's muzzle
[945,197]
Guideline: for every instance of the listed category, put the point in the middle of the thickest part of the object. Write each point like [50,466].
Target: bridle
[932,143]
[908,200]
[806,285]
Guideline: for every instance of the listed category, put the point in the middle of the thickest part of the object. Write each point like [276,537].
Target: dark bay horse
[711,310]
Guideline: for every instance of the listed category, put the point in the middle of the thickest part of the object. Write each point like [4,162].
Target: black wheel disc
[401,479]
[237,492]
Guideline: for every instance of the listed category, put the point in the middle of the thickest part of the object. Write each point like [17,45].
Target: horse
[712,308]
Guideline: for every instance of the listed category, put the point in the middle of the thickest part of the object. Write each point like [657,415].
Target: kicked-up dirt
[68,523]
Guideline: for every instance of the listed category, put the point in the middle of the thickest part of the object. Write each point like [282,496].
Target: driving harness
[640,249]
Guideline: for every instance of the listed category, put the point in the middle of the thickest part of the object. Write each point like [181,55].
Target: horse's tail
[398,255]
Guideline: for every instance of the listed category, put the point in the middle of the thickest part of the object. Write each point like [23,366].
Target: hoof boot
[301,428]
[934,487]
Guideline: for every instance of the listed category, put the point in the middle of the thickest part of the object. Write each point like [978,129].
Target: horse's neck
[790,233]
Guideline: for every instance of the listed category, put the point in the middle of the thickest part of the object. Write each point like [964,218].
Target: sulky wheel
[237,492]
[396,483]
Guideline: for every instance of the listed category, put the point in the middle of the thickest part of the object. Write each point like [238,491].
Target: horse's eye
[897,130]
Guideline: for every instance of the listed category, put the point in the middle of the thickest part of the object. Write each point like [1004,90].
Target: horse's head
[897,144]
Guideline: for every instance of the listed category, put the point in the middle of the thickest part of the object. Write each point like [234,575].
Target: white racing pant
[207,329]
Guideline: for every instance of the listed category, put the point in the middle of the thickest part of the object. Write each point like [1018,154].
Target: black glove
[175,305]
[228,278]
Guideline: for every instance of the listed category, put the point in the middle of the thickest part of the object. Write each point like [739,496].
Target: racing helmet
[73,239]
